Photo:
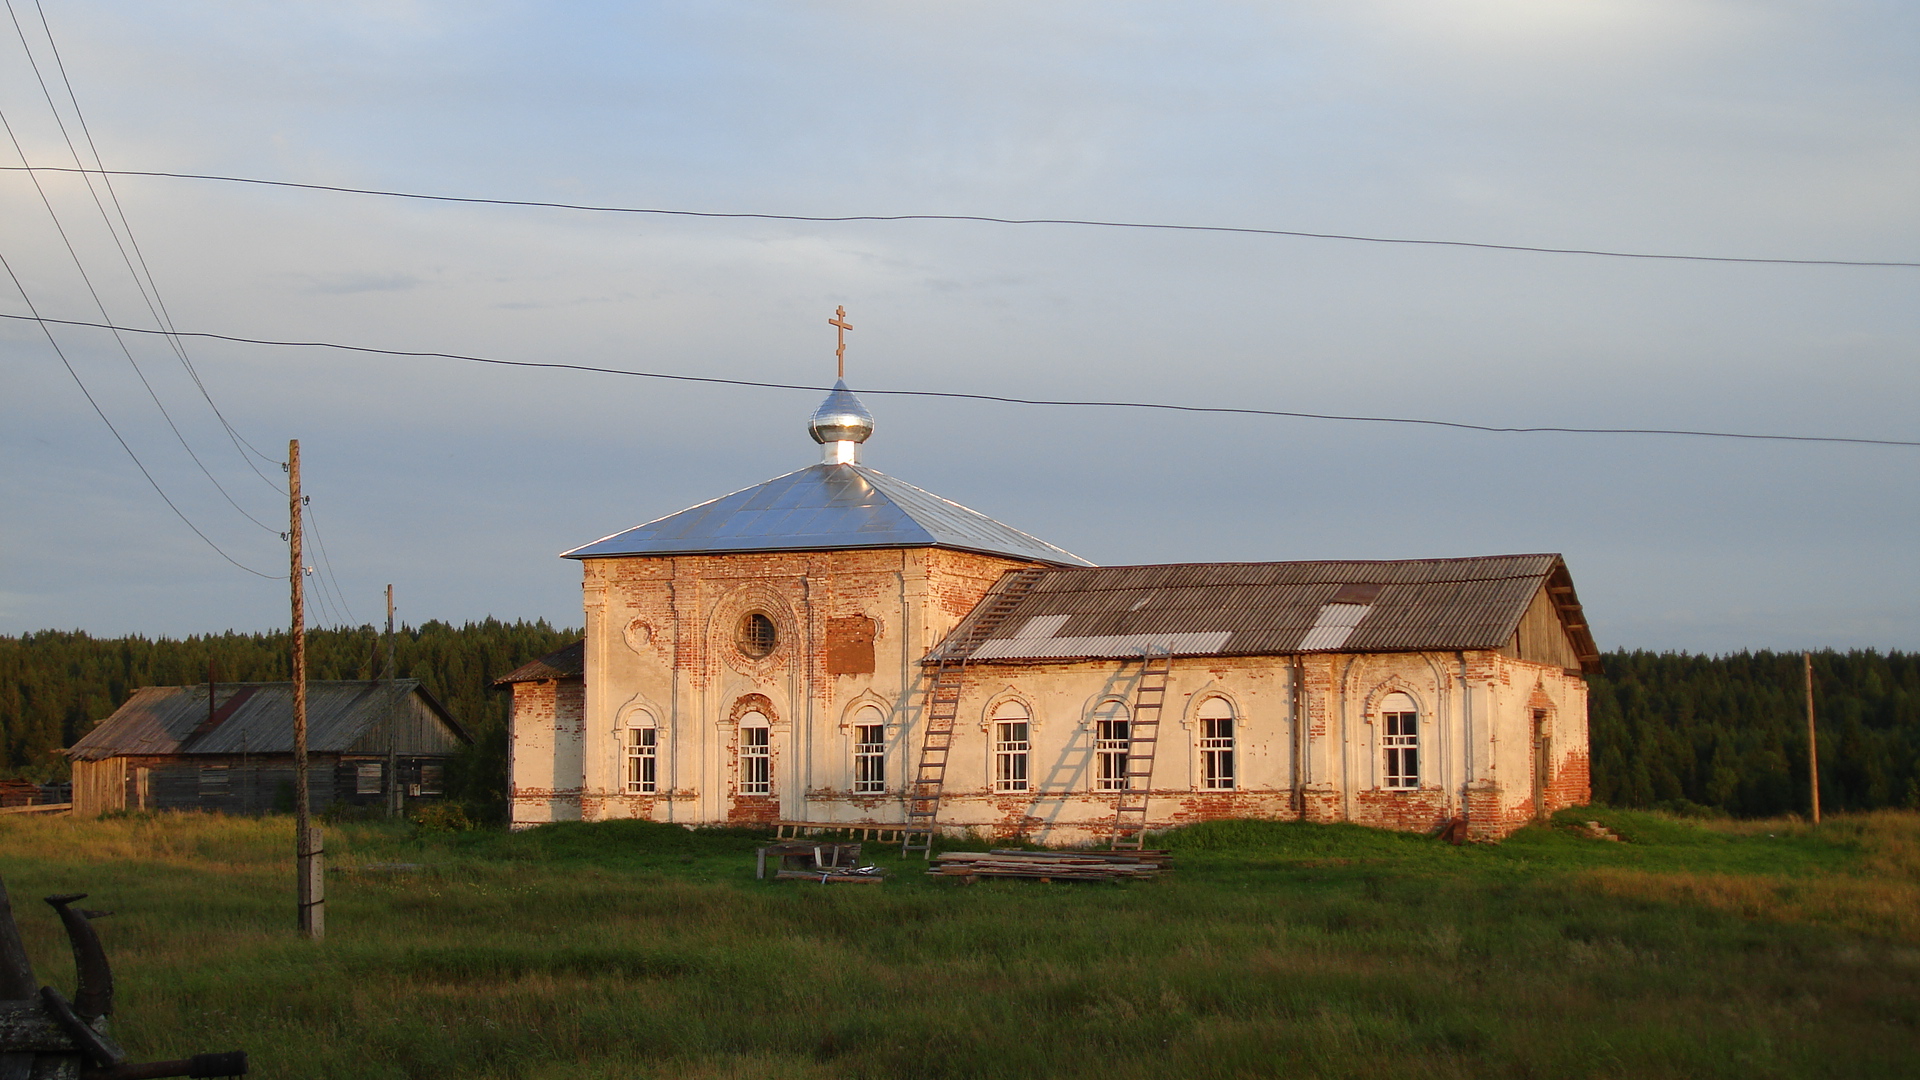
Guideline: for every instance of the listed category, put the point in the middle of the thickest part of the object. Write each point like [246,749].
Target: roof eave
[1566,603]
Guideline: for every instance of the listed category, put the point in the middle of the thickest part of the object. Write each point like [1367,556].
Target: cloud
[1685,126]
[344,284]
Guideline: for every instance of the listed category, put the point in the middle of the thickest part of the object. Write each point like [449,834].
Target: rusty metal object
[92,1043]
[93,998]
[44,1036]
[231,1063]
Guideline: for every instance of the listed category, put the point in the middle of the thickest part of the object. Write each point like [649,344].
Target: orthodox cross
[840,320]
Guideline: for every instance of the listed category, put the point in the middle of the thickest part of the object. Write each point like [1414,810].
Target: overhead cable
[984,219]
[100,305]
[326,563]
[1156,405]
[162,316]
[61,353]
[143,279]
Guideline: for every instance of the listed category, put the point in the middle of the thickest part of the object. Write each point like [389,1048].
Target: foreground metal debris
[45,1036]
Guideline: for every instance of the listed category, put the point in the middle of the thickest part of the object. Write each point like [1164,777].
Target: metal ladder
[943,707]
[1143,739]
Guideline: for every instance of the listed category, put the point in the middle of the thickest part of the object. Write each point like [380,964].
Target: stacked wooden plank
[1052,865]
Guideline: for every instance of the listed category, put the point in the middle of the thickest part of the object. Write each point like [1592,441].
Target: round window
[757,636]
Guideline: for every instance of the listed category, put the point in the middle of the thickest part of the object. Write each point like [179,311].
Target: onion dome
[841,419]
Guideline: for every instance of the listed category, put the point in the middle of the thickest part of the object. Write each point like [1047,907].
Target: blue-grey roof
[826,507]
[257,718]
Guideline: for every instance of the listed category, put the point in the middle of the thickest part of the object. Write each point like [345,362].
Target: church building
[838,646]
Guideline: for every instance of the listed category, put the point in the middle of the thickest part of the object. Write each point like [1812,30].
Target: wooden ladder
[1143,739]
[942,708]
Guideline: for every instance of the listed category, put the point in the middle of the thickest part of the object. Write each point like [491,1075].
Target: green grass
[1697,949]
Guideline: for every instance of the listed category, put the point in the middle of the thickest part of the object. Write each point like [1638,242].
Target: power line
[148,288]
[1156,405]
[161,316]
[981,218]
[339,594]
[61,353]
[101,306]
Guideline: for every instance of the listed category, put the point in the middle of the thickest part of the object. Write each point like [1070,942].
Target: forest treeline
[1669,730]
[55,685]
[1729,733]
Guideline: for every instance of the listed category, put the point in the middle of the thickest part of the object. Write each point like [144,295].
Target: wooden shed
[229,747]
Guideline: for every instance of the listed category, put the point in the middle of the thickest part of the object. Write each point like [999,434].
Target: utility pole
[390,669]
[393,757]
[309,872]
[1813,747]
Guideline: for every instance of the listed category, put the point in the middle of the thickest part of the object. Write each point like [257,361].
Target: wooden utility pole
[393,756]
[309,870]
[1813,746]
[390,671]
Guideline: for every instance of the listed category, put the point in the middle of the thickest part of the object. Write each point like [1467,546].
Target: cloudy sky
[1768,130]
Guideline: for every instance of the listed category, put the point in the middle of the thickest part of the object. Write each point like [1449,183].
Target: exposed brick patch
[1414,811]
[754,810]
[850,645]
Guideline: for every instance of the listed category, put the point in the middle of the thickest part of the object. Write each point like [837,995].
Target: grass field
[1749,950]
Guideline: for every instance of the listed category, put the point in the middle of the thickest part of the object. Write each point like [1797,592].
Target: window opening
[1400,738]
[1011,744]
[1216,745]
[756,755]
[643,745]
[1112,733]
[433,779]
[869,755]
[213,779]
[756,637]
[366,778]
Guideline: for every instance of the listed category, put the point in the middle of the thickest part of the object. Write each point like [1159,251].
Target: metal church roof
[1265,609]
[826,507]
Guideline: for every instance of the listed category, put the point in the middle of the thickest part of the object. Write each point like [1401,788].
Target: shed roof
[826,507]
[250,718]
[564,663]
[1258,609]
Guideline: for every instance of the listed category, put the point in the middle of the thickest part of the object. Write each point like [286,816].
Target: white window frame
[1012,743]
[869,753]
[1219,762]
[1399,743]
[643,759]
[756,755]
[1112,743]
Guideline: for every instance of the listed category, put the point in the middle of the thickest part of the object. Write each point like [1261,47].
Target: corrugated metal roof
[567,663]
[826,507]
[1226,609]
[250,718]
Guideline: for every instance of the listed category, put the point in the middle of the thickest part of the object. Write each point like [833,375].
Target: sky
[1751,129]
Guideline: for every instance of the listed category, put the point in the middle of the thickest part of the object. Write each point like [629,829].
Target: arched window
[756,754]
[1216,744]
[1012,730]
[1400,741]
[643,746]
[869,751]
[1112,737]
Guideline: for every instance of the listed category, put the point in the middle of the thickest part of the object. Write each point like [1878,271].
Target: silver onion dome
[840,418]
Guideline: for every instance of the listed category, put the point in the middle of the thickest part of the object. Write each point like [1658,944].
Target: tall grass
[633,950]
